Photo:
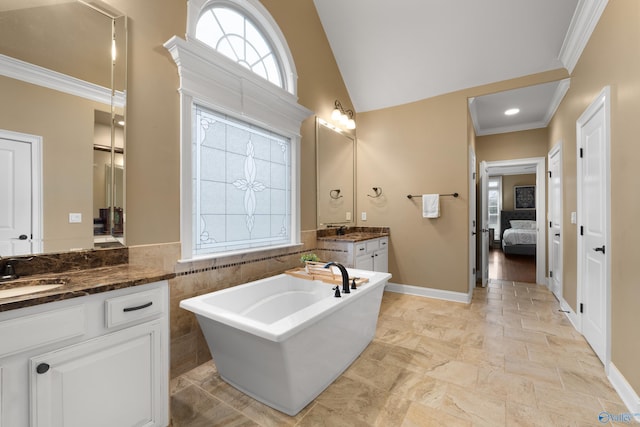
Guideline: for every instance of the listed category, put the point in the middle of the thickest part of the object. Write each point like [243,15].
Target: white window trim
[500,196]
[212,80]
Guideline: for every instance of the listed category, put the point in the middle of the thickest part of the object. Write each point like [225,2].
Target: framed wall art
[524,197]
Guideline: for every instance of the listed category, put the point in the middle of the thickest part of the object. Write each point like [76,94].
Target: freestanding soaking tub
[282,340]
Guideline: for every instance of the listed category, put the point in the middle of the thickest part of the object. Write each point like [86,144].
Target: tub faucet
[345,276]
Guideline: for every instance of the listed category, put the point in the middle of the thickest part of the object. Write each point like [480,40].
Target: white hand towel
[430,205]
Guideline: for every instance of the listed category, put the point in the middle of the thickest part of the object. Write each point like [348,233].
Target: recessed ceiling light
[511,111]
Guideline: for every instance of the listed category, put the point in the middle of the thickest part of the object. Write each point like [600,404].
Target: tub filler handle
[337,293]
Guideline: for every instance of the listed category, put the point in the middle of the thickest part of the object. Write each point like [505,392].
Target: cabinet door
[114,380]
[381,261]
[364,262]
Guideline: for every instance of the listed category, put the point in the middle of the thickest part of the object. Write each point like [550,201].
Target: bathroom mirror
[63,80]
[335,157]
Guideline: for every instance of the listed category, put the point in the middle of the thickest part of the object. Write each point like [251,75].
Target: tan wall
[419,148]
[512,145]
[610,58]
[414,149]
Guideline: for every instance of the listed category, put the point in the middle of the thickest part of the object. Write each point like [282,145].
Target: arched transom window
[234,35]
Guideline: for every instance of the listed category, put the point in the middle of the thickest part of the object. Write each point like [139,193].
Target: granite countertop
[357,236]
[80,283]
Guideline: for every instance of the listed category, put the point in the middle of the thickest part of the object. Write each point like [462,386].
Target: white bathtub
[283,340]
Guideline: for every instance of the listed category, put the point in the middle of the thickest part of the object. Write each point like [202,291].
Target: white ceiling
[393,53]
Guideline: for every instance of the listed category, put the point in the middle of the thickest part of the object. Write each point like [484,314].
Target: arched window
[240,131]
[236,36]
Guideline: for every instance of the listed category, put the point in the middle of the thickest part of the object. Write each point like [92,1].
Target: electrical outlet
[574,218]
[75,218]
[363,216]
[348,218]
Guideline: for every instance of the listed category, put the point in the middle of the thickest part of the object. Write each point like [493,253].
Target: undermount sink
[26,287]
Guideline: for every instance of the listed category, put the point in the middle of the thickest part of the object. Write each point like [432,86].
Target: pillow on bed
[523,224]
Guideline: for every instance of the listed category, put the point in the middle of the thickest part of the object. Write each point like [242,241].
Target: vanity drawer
[360,249]
[37,330]
[372,245]
[384,242]
[134,307]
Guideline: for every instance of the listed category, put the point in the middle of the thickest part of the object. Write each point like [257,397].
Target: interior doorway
[520,204]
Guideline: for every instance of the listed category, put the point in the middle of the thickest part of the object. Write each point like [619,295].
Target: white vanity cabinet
[103,361]
[372,255]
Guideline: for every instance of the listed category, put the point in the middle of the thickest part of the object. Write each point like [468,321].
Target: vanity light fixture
[342,116]
[511,111]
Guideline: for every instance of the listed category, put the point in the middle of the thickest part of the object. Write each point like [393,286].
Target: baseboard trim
[429,292]
[571,315]
[628,395]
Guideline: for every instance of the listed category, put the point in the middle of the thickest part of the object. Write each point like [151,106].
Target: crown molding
[34,74]
[558,96]
[582,24]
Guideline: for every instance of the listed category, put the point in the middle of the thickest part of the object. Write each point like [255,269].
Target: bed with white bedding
[519,232]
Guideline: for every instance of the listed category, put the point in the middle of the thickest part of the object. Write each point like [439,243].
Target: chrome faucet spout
[343,273]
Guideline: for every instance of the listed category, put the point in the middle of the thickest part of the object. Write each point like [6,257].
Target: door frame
[556,151]
[36,184]
[539,163]
[603,100]
[484,224]
[473,224]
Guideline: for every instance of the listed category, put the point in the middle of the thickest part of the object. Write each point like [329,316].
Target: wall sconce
[342,116]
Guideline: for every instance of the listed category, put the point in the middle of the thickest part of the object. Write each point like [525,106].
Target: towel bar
[409,196]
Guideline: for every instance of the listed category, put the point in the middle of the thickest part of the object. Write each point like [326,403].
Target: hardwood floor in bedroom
[519,268]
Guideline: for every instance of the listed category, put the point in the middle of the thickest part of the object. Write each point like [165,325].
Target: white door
[15,194]
[472,220]
[484,223]
[593,222]
[555,220]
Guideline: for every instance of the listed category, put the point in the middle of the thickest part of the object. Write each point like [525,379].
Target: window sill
[223,255]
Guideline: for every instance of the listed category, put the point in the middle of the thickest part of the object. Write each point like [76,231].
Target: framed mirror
[335,157]
[62,137]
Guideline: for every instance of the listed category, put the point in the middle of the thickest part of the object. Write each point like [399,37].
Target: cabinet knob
[42,368]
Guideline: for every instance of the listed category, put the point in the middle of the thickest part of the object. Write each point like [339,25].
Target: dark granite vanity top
[352,234]
[79,283]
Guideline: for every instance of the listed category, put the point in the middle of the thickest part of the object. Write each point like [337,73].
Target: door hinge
[581,308]
[550,224]
[474,271]
[582,230]
[549,174]
[550,273]
[581,153]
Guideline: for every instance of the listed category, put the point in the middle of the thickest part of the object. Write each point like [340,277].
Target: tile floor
[507,359]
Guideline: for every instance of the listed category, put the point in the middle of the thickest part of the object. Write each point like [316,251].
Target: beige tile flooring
[507,359]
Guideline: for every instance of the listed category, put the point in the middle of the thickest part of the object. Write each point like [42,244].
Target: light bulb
[344,120]
[335,115]
[351,124]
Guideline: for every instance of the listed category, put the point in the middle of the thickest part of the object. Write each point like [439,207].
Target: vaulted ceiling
[393,53]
